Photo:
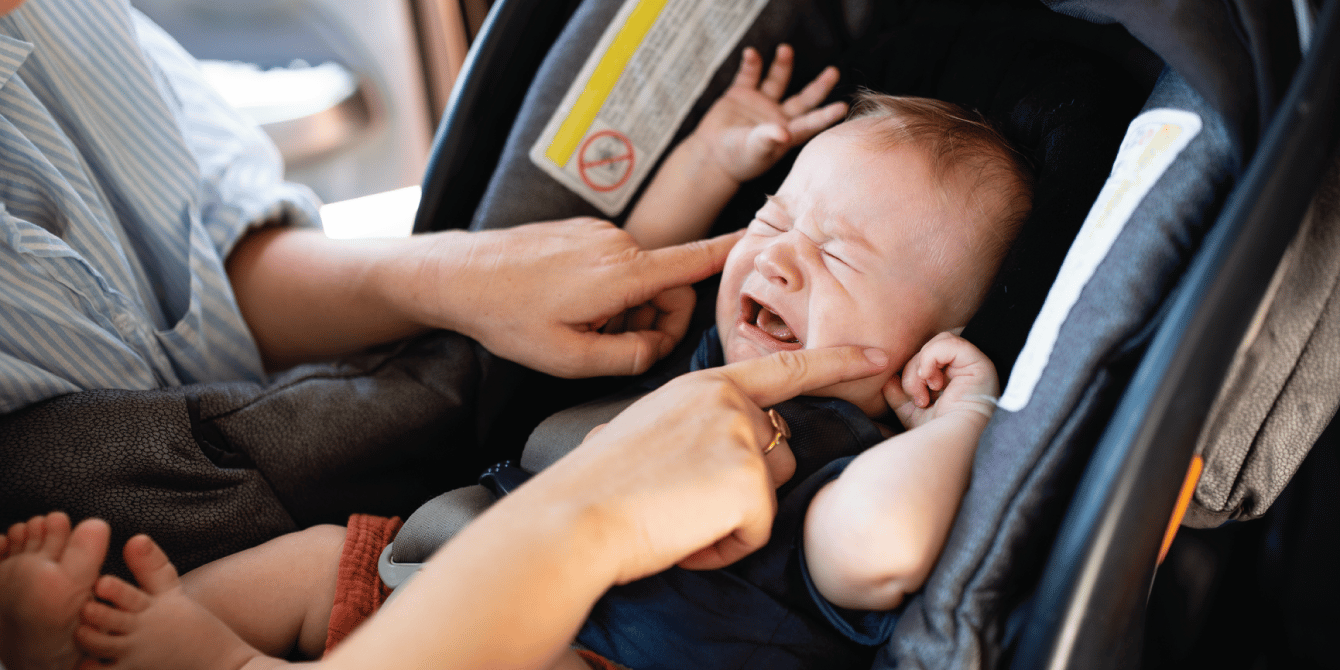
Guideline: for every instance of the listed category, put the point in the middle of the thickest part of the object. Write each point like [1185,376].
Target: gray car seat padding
[441,518]
[1238,55]
[210,469]
[1284,385]
[437,521]
[1027,462]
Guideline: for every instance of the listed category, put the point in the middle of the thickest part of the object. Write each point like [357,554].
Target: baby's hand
[948,375]
[750,126]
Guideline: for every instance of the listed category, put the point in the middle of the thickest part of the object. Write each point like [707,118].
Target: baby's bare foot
[157,625]
[46,576]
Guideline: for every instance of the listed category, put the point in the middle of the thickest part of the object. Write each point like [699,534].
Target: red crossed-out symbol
[605,161]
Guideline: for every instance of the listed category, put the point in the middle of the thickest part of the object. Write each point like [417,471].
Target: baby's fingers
[931,370]
[751,68]
[914,383]
[779,75]
[814,93]
[766,142]
[895,396]
[804,127]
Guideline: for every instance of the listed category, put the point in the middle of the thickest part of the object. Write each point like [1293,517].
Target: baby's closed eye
[828,253]
[762,225]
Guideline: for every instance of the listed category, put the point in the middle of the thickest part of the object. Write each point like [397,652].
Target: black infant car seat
[1057,541]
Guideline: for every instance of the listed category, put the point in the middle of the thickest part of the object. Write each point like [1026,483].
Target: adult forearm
[306,297]
[510,591]
[535,294]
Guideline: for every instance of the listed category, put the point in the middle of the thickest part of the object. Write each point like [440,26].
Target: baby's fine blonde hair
[964,149]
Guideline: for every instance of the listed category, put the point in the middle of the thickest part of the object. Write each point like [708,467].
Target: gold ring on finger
[783,431]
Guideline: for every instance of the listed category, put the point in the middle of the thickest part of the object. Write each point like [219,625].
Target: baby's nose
[778,262]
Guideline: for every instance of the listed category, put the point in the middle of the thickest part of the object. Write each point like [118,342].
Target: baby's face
[851,250]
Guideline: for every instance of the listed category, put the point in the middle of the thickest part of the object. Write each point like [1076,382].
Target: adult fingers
[752,530]
[779,74]
[673,311]
[596,354]
[814,93]
[629,349]
[642,317]
[745,540]
[680,265]
[786,374]
[781,463]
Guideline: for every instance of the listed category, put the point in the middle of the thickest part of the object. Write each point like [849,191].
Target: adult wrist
[424,280]
[578,527]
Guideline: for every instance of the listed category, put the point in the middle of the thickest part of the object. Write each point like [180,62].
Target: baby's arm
[873,534]
[741,136]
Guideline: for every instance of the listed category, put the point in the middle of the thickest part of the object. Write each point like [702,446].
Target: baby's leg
[289,586]
[158,625]
[46,575]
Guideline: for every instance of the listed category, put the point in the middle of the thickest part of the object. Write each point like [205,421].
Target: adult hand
[539,294]
[679,470]
[680,476]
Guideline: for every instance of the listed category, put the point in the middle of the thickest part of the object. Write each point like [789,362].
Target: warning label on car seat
[1152,142]
[652,63]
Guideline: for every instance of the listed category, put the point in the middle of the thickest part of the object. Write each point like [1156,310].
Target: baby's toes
[151,567]
[121,594]
[27,536]
[14,537]
[85,550]
[107,619]
[100,644]
[57,534]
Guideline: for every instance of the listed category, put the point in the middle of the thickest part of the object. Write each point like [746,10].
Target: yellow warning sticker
[641,80]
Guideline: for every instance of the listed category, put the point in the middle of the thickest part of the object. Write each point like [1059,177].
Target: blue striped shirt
[124,183]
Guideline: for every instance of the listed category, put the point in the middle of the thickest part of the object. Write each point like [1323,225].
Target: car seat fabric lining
[1023,472]
[1213,45]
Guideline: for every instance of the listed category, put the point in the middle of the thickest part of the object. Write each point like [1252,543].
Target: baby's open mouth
[773,325]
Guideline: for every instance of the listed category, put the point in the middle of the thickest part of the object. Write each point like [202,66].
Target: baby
[886,233]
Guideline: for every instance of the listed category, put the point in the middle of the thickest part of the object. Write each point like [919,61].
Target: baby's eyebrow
[835,227]
[840,228]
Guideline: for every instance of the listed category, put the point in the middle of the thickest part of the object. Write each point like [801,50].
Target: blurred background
[350,90]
